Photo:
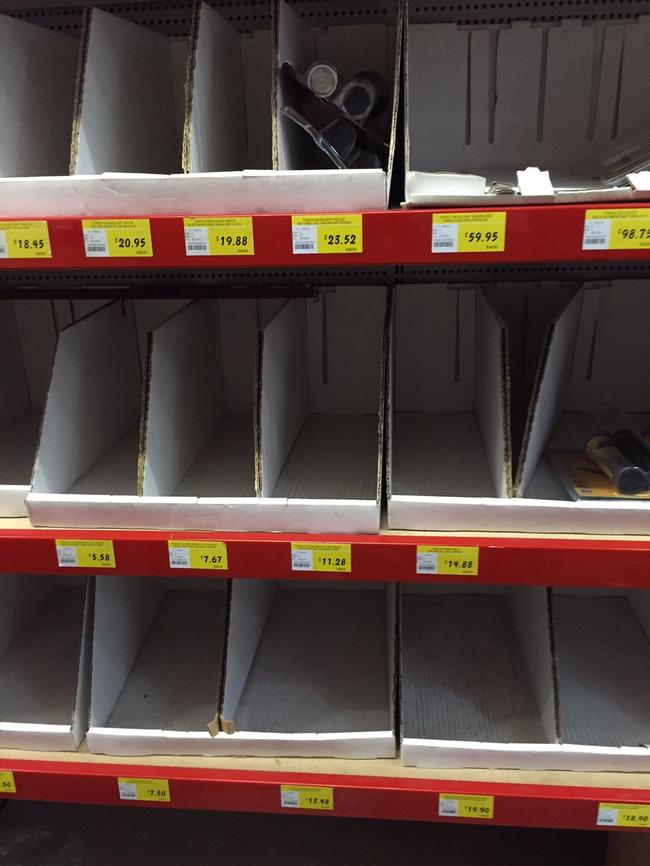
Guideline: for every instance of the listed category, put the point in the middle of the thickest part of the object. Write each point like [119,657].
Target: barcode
[95,249]
[197,247]
[3,251]
[178,563]
[445,244]
[67,560]
[426,568]
[309,246]
[594,241]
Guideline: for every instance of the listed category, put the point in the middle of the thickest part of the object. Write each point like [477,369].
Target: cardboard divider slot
[603,668]
[42,659]
[591,379]
[228,120]
[38,69]
[335,636]
[160,691]
[449,410]
[557,95]
[321,415]
[470,684]
[129,106]
[200,438]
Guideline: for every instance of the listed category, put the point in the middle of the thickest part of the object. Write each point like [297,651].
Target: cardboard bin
[157,666]
[310,670]
[44,649]
[522,112]
[449,454]
[321,396]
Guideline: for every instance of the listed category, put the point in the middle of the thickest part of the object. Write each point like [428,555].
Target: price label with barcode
[219,236]
[117,238]
[446,560]
[84,553]
[465,806]
[144,790]
[617,229]
[623,815]
[198,554]
[321,557]
[7,783]
[327,233]
[474,232]
[304,797]
[29,239]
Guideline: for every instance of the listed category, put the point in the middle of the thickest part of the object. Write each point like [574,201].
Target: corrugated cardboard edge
[144,414]
[504,350]
[216,725]
[539,377]
[192,46]
[382,437]
[257,410]
[556,685]
[79,89]
[275,45]
[397,84]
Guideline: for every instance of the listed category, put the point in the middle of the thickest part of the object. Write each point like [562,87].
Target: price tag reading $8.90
[117,238]
[482,232]
[327,233]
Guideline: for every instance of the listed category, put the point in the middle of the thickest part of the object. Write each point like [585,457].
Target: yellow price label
[483,232]
[321,557]
[465,806]
[120,238]
[446,560]
[25,240]
[327,233]
[303,797]
[623,815]
[219,236]
[617,229]
[7,783]
[82,553]
[144,790]
[198,554]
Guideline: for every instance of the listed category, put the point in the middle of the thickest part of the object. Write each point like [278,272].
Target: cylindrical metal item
[322,79]
[364,95]
[633,448]
[628,478]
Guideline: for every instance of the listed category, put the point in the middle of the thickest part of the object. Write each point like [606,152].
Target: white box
[228,110]
[157,666]
[602,650]
[87,464]
[27,340]
[310,670]
[592,378]
[322,413]
[200,429]
[129,103]
[38,70]
[44,648]
[477,678]
[352,48]
[449,454]
[485,102]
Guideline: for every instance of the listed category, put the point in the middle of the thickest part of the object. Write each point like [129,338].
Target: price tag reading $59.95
[468,232]
[327,233]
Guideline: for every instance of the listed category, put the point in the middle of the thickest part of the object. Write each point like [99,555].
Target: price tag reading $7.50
[144,790]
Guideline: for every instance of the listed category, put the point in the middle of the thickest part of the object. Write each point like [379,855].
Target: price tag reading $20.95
[117,238]
[468,232]
[327,233]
